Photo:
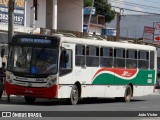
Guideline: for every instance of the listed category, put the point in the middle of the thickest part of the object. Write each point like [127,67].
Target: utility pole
[89,21]
[11,19]
[34,13]
[10,25]
[118,25]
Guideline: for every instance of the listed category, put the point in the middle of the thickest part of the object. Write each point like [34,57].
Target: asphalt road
[142,104]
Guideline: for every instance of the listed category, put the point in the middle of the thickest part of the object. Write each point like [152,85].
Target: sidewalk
[156,92]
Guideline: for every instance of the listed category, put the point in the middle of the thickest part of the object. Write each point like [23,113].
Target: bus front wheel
[73,96]
[29,99]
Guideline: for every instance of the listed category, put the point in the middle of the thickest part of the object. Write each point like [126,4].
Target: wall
[41,22]
[28,12]
[132,26]
[49,13]
[70,15]
[97,30]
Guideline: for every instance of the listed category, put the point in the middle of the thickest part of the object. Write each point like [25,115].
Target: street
[145,103]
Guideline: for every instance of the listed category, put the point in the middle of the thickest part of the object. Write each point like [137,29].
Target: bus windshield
[32,60]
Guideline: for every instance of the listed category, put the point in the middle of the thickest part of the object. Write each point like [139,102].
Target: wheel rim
[128,94]
[74,95]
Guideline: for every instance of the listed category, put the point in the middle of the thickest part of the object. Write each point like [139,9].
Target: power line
[135,4]
[136,10]
[151,1]
[128,9]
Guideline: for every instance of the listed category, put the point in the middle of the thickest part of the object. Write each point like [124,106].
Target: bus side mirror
[2,52]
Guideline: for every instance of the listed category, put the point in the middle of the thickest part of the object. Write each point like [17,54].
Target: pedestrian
[2,76]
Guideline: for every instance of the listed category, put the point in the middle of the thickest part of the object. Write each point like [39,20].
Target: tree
[87,3]
[102,8]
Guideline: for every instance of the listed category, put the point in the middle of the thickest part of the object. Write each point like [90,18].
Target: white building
[56,14]
[51,14]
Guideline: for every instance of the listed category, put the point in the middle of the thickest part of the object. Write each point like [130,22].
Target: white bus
[42,66]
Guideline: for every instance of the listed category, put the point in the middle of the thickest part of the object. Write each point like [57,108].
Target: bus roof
[93,42]
[105,43]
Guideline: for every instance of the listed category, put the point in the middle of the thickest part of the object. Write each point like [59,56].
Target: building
[51,14]
[56,14]
[32,14]
[93,24]
[132,26]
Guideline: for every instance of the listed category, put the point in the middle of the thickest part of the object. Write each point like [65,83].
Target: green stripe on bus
[144,77]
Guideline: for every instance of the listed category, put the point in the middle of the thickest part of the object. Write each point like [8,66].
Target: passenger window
[66,62]
[143,61]
[119,58]
[152,60]
[69,61]
[131,60]
[92,56]
[106,58]
[80,55]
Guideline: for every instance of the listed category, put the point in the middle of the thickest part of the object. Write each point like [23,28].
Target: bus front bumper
[49,93]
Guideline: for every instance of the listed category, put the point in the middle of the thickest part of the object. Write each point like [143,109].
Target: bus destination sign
[34,41]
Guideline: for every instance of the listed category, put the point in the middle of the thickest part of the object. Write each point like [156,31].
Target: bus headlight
[51,82]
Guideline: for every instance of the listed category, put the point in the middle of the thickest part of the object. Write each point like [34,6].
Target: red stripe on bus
[50,92]
[122,72]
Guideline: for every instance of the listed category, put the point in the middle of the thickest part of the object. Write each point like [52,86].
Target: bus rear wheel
[73,100]
[29,99]
[128,94]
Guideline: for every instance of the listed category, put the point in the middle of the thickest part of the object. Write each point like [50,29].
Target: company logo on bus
[40,80]
[126,74]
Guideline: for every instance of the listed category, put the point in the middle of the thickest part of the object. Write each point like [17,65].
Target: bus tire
[128,94]
[74,97]
[29,100]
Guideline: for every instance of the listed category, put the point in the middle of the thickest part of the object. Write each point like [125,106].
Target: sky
[151,6]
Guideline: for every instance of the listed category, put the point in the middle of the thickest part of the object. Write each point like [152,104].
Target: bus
[61,67]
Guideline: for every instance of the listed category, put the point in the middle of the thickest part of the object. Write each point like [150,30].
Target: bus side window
[119,58]
[66,62]
[131,59]
[143,61]
[80,55]
[92,56]
[152,60]
[106,57]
